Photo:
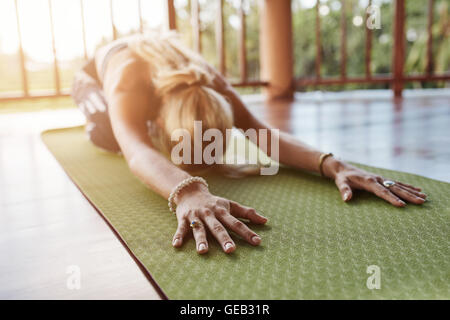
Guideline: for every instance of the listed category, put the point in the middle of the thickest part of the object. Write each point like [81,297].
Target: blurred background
[57,36]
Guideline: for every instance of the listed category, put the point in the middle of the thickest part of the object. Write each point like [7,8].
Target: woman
[138,90]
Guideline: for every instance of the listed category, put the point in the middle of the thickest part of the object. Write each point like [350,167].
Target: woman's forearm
[128,108]
[292,152]
[157,172]
[296,154]
[145,162]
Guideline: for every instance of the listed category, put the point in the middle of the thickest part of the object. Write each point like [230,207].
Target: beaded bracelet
[181,186]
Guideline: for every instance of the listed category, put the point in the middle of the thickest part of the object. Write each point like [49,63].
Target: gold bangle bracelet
[322,158]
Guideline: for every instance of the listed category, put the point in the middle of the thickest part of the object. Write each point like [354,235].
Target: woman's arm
[129,97]
[294,153]
[127,90]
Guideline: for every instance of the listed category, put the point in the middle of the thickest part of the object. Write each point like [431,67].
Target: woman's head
[183,82]
[187,97]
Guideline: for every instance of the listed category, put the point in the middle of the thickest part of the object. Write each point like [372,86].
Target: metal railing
[397,78]
[171,24]
[220,39]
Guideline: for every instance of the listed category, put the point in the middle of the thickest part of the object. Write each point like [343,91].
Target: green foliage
[231,20]
[304,24]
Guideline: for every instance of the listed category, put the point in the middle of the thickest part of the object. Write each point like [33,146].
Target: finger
[240,228]
[199,233]
[408,186]
[244,212]
[344,189]
[181,232]
[219,232]
[415,192]
[406,195]
[385,194]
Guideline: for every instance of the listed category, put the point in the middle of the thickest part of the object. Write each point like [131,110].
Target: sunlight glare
[36,31]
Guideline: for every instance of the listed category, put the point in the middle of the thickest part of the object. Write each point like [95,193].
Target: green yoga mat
[314,245]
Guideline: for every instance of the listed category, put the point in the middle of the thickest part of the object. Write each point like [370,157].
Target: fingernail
[201,247]
[228,245]
[346,196]
[256,240]
[176,242]
[402,202]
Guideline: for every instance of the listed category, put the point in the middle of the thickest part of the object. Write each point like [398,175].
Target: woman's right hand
[196,203]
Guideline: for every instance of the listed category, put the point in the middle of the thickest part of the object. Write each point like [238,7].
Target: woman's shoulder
[127,73]
[108,51]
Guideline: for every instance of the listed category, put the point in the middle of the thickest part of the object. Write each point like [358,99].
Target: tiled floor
[46,225]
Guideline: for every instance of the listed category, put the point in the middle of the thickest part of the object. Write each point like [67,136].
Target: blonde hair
[184,82]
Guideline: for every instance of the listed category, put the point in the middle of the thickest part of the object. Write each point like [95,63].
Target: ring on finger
[388,183]
[194,224]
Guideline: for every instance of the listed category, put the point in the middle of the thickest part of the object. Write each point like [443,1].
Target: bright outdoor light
[35,25]
[324,10]
[411,35]
[357,21]
[335,5]
[384,38]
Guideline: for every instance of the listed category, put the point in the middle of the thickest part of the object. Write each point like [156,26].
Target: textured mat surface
[314,245]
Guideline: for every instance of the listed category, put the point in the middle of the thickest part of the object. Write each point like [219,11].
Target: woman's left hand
[348,178]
